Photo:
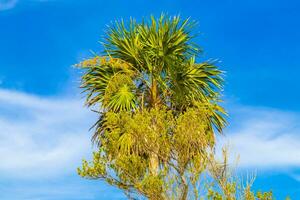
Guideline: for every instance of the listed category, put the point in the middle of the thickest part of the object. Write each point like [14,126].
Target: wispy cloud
[42,137]
[264,138]
[10,4]
[7,4]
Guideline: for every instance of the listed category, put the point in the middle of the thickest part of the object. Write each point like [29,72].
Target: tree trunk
[154,164]
[183,187]
[154,161]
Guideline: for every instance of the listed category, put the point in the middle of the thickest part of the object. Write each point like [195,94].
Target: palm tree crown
[151,65]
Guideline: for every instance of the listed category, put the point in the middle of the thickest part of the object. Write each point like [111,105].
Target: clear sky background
[44,126]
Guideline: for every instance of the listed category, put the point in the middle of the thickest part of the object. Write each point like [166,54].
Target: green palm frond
[215,115]
[124,42]
[95,81]
[190,82]
[123,99]
[167,39]
[106,81]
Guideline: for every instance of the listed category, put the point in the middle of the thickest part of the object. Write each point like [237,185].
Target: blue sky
[43,141]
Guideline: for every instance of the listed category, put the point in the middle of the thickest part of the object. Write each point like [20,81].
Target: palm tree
[152,65]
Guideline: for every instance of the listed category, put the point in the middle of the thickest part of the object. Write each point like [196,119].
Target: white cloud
[264,138]
[7,4]
[10,4]
[42,137]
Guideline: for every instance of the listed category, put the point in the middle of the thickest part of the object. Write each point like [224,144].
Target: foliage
[159,112]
